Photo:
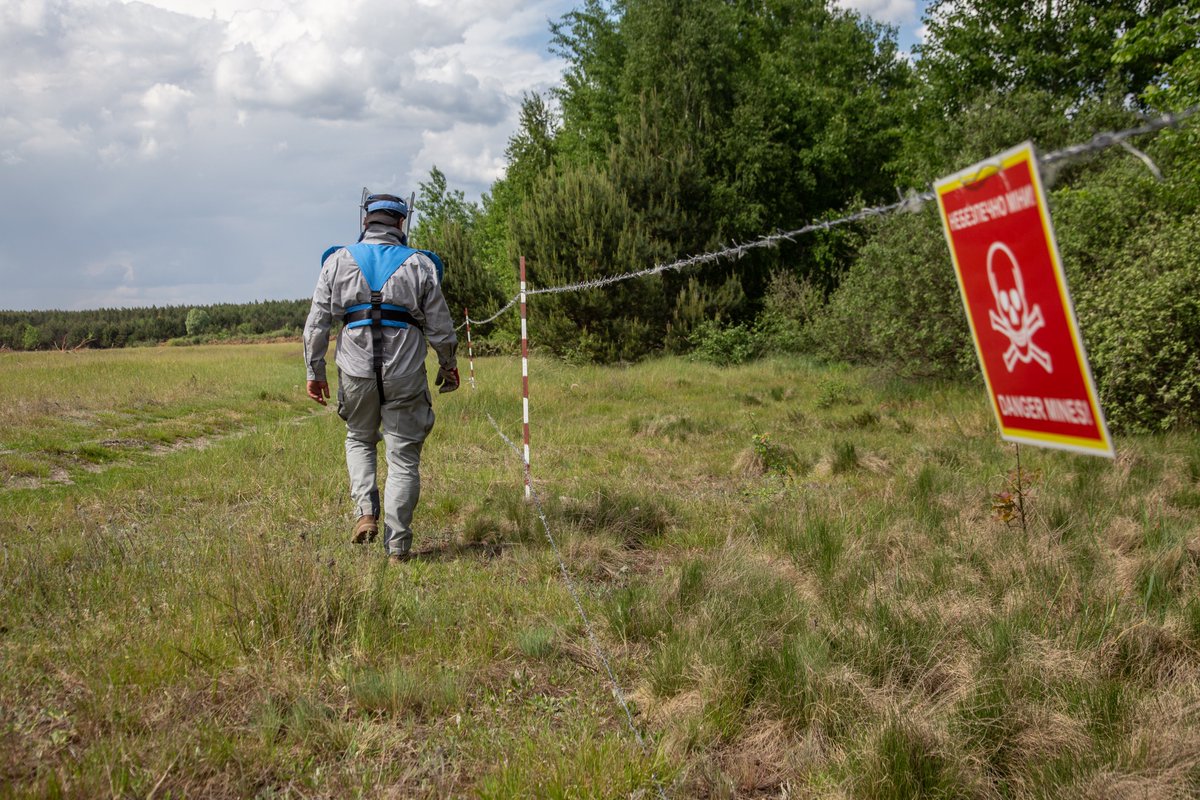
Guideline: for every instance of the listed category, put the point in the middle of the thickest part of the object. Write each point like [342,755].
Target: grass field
[809,580]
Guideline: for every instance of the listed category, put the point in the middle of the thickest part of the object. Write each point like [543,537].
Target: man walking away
[389,300]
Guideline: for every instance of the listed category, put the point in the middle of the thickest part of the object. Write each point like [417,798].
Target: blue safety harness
[434,257]
[378,262]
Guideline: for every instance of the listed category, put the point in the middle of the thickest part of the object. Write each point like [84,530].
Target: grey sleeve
[439,326]
[316,328]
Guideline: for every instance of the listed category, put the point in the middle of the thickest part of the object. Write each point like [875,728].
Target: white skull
[1011,300]
[1017,319]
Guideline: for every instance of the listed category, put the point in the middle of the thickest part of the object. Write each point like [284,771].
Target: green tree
[438,204]
[446,226]
[1063,47]
[591,41]
[530,153]
[666,187]
[1168,46]
[532,148]
[717,121]
[31,337]
[785,103]
[198,321]
[467,283]
[582,227]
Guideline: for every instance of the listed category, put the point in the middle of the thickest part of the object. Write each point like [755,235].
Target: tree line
[680,127]
[126,327]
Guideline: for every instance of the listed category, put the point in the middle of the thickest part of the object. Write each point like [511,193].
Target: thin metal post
[525,377]
[1021,490]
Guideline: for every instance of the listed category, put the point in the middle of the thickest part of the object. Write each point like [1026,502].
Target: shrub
[582,228]
[899,305]
[836,392]
[789,306]
[1129,244]
[198,321]
[767,456]
[1143,323]
[697,305]
[31,337]
[723,346]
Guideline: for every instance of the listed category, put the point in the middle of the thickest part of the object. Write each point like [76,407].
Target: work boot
[365,530]
[399,558]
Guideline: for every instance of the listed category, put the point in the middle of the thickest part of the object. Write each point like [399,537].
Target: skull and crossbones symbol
[1013,316]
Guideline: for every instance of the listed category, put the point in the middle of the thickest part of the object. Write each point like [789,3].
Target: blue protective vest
[378,262]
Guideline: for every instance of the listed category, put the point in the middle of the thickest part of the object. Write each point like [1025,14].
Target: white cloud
[165,100]
[310,58]
[165,107]
[43,136]
[28,14]
[219,146]
[83,77]
[467,154]
[116,269]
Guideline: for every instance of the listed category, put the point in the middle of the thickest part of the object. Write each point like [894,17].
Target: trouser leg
[407,420]
[360,462]
[358,405]
[402,493]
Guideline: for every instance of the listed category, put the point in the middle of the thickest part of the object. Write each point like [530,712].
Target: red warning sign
[1018,306]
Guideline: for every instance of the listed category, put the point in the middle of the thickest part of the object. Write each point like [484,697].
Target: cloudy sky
[182,152]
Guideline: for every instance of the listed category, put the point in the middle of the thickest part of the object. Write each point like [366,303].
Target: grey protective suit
[406,417]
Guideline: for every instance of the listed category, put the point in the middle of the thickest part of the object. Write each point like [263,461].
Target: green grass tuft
[632,519]
[536,642]
[401,691]
[904,762]
[845,457]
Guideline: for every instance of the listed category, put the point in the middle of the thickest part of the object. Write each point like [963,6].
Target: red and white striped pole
[470,353]
[525,376]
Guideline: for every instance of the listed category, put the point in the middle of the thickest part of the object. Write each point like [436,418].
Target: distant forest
[125,327]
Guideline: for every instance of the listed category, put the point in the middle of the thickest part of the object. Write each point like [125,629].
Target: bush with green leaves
[1131,247]
[697,305]
[198,321]
[723,345]
[899,305]
[31,337]
[1143,321]
[582,229]
[791,303]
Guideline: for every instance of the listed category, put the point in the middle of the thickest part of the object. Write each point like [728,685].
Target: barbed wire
[912,201]
[735,250]
[1102,141]
[597,648]
[506,307]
